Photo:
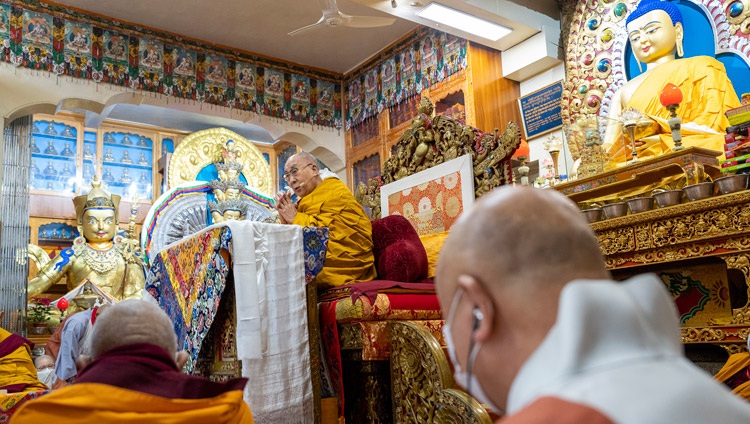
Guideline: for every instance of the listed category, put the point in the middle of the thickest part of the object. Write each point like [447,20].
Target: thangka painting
[245,89]
[273,95]
[372,92]
[356,100]
[37,40]
[428,60]
[388,81]
[183,72]
[77,49]
[324,101]
[150,64]
[216,79]
[115,57]
[4,28]
[454,54]
[433,199]
[701,294]
[408,73]
[300,98]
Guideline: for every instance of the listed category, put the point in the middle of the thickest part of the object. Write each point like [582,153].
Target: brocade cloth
[271,264]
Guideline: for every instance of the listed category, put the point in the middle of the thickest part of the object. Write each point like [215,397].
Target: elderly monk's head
[302,174]
[499,278]
[44,362]
[134,321]
[655,31]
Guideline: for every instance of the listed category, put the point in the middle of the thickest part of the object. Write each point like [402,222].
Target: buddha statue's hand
[131,251]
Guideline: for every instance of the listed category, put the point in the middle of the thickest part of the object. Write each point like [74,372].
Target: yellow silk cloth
[349,258]
[735,364]
[18,368]
[100,403]
[706,94]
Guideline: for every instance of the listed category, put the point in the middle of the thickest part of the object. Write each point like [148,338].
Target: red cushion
[399,253]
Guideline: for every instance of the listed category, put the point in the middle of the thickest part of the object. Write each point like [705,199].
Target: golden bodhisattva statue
[114,263]
[228,188]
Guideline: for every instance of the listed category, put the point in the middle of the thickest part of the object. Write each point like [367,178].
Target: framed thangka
[115,57]
[37,40]
[388,81]
[300,98]
[183,84]
[150,65]
[371,92]
[433,199]
[325,104]
[428,60]
[77,49]
[454,54]
[4,29]
[408,74]
[273,96]
[245,90]
[356,101]
[216,79]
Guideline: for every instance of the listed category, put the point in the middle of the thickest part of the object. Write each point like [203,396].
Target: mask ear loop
[473,351]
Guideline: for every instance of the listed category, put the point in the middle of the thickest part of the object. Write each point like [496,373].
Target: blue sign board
[541,110]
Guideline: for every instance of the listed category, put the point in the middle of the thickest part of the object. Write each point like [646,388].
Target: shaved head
[132,321]
[523,236]
[500,274]
[302,174]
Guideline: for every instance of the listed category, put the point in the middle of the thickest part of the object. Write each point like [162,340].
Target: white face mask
[47,376]
[466,379]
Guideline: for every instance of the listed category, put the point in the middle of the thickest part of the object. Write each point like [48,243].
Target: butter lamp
[670,98]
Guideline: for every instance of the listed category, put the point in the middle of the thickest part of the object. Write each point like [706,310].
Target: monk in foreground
[133,376]
[329,203]
[17,370]
[537,330]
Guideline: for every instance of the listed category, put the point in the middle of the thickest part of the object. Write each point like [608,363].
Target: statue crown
[96,198]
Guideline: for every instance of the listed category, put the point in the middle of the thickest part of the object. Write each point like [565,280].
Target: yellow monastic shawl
[349,258]
[18,368]
[100,403]
[735,364]
[706,94]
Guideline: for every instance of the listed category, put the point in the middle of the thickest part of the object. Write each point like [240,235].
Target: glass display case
[53,156]
[89,157]
[127,164]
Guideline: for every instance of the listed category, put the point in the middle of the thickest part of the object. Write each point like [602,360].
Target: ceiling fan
[332,17]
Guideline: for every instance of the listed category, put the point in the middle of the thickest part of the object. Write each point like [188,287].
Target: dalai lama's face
[653,37]
[301,175]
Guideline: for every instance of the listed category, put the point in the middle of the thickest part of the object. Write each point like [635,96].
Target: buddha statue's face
[653,37]
[232,193]
[232,215]
[99,225]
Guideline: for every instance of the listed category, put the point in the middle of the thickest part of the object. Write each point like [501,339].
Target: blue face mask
[466,378]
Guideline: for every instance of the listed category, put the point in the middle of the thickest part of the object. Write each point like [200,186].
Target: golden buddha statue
[655,31]
[112,262]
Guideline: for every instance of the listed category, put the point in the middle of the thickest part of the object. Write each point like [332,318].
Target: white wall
[537,151]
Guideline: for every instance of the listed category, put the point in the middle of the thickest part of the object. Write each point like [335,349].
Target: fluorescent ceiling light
[463,21]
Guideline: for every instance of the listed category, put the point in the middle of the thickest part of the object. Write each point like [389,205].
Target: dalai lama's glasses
[293,172]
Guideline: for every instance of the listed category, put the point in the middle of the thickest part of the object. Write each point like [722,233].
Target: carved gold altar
[716,228]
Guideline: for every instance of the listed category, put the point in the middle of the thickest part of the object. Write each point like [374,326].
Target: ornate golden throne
[385,336]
